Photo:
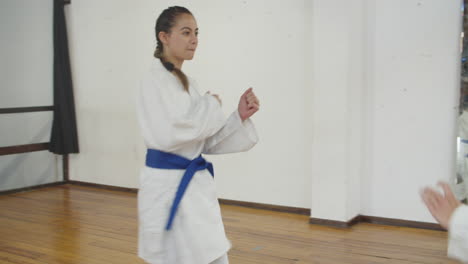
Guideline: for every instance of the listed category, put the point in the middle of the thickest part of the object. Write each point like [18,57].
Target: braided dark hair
[164,23]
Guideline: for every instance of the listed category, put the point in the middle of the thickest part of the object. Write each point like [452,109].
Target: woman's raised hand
[248,104]
[441,205]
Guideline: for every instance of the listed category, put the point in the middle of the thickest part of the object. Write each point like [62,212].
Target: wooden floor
[74,224]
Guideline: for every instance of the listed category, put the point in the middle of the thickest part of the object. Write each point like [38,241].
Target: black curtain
[64,137]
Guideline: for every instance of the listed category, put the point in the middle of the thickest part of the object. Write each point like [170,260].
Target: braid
[180,75]
[158,52]
[183,78]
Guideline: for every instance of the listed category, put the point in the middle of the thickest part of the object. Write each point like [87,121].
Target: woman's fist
[248,104]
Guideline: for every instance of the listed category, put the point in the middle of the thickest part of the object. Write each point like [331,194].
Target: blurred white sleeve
[234,136]
[458,234]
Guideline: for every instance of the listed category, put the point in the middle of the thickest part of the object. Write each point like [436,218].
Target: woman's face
[182,41]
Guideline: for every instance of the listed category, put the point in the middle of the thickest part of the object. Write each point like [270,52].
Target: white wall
[26,58]
[414,90]
[358,97]
[242,44]
[107,49]
[259,44]
[386,86]
[26,53]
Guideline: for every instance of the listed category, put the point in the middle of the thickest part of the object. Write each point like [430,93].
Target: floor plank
[77,224]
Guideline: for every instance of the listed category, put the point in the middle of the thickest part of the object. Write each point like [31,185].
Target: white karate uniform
[185,124]
[458,234]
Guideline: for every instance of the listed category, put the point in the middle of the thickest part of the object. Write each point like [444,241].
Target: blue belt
[163,160]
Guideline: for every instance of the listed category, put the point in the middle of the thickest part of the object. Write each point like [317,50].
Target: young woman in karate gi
[179,216]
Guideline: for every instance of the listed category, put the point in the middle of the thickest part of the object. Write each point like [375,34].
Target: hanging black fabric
[64,137]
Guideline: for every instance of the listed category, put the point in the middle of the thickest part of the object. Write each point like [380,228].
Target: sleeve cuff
[247,126]
[458,234]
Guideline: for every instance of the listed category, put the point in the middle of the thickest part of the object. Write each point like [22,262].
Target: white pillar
[338,92]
